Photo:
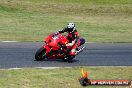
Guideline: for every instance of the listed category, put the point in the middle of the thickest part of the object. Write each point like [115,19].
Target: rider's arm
[71,44]
[62,31]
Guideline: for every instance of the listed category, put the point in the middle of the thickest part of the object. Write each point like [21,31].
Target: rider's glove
[56,33]
[71,44]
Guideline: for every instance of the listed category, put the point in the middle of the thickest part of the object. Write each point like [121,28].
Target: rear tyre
[68,59]
[40,54]
[65,59]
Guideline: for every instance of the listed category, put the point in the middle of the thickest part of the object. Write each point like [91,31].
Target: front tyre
[40,54]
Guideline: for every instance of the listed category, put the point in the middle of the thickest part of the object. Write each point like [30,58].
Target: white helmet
[71,27]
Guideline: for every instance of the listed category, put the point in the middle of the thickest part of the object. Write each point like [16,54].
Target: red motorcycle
[55,48]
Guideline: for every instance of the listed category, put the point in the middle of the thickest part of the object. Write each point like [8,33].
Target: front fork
[47,48]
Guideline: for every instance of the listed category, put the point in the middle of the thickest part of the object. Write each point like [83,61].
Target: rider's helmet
[71,27]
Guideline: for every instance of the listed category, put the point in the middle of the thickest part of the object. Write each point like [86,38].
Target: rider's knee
[72,53]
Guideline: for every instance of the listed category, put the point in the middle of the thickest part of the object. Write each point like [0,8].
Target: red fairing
[53,41]
[47,48]
[64,39]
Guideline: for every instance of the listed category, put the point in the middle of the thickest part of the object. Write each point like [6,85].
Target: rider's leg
[73,51]
[79,43]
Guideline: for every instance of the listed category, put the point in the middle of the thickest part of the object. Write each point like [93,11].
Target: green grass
[96,20]
[59,78]
[88,1]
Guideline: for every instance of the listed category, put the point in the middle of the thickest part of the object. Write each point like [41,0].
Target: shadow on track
[59,60]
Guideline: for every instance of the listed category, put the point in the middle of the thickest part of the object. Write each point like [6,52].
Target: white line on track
[62,67]
[8,41]
[36,68]
[51,67]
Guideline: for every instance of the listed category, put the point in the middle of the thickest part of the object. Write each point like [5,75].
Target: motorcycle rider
[72,37]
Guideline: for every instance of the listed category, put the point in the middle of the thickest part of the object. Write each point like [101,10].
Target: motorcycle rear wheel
[40,54]
[68,59]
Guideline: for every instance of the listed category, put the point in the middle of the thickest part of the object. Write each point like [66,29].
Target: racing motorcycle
[55,48]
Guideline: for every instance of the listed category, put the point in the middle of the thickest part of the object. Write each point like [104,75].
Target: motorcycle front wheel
[40,54]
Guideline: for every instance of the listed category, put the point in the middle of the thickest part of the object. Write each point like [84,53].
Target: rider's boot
[77,49]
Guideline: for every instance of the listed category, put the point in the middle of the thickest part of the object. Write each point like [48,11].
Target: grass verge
[96,20]
[59,78]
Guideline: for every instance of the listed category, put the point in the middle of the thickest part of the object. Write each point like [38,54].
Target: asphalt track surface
[20,55]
